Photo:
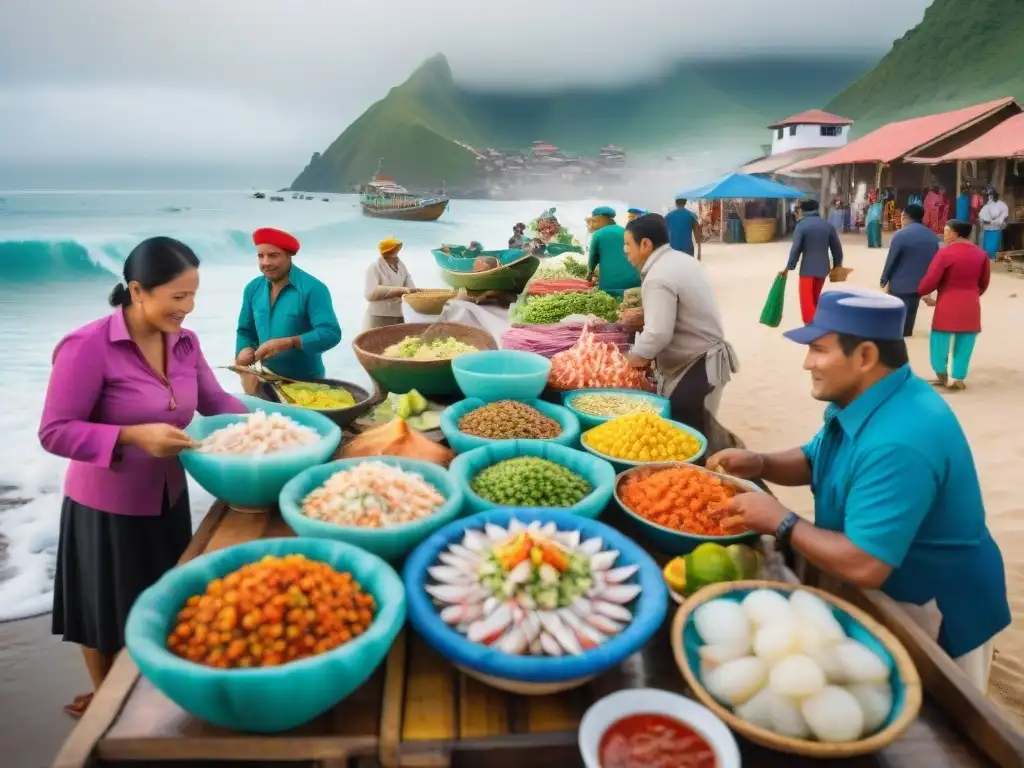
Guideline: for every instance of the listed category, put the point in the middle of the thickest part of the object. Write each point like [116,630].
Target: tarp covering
[734,186]
[895,140]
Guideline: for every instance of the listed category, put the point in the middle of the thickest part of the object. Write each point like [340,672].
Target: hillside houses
[544,162]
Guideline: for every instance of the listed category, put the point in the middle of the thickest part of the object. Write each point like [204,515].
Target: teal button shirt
[303,308]
[616,274]
[893,471]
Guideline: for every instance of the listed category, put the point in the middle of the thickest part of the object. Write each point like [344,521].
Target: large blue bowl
[621,465]
[256,481]
[648,609]
[390,543]
[588,421]
[670,541]
[501,374]
[267,699]
[598,472]
[460,442]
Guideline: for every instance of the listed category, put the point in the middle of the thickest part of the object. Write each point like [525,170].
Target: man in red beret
[287,315]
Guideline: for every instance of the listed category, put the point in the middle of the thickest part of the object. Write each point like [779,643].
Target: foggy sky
[273,80]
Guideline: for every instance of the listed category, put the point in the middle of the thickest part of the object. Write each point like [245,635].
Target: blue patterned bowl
[461,442]
[534,674]
[256,481]
[598,472]
[858,625]
[266,699]
[390,543]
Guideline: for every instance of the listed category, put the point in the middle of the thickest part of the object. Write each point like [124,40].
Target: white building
[813,129]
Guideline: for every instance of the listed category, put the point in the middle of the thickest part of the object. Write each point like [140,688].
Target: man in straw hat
[387,281]
[897,502]
[287,318]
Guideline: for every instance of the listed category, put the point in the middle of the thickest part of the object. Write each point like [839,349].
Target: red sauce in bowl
[654,741]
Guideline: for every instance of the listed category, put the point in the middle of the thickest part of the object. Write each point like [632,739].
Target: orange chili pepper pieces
[682,498]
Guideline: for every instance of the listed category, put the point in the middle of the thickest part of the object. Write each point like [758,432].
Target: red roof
[895,140]
[813,117]
[1005,140]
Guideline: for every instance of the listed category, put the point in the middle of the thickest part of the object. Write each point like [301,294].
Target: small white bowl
[634,701]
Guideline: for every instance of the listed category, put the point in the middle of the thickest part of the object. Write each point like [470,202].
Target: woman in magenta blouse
[121,391]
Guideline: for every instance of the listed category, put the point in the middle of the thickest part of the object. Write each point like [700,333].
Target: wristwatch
[785,530]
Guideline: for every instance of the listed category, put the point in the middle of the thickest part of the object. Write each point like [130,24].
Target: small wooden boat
[514,270]
[382,198]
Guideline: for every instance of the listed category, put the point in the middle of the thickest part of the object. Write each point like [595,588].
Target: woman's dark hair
[650,226]
[962,228]
[152,263]
[891,354]
[914,212]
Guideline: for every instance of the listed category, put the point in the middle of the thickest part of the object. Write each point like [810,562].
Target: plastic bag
[771,315]
[396,438]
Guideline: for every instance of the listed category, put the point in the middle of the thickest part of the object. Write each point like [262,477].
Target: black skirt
[104,561]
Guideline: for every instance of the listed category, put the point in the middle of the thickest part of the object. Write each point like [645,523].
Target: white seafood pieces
[532,589]
[258,434]
[788,666]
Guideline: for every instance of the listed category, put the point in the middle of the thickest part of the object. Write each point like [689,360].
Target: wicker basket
[904,667]
[428,377]
[430,301]
[759,230]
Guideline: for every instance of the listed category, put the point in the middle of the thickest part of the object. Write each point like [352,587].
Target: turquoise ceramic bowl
[904,680]
[621,465]
[460,442]
[256,481]
[501,374]
[269,699]
[390,543]
[597,472]
[589,422]
[673,542]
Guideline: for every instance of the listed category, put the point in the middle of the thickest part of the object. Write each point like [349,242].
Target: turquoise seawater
[61,253]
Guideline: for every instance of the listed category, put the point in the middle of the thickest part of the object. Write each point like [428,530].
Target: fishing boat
[385,199]
[513,271]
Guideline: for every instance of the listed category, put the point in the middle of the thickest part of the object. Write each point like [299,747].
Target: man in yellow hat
[387,281]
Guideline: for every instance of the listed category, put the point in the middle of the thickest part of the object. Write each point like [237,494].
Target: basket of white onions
[796,669]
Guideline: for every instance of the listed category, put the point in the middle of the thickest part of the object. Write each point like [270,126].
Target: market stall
[746,208]
[555,534]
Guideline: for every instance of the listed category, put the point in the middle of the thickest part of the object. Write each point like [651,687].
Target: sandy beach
[768,404]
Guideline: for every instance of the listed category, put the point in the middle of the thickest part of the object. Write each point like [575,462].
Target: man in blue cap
[616,274]
[897,502]
[683,228]
[634,213]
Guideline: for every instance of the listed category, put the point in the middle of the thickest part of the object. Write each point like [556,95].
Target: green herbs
[554,307]
[529,481]
[568,268]
[575,268]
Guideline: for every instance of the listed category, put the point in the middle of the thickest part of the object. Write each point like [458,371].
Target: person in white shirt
[993,217]
[387,281]
[682,332]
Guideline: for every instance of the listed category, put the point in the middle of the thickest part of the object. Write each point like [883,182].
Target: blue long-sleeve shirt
[911,251]
[303,308]
[813,238]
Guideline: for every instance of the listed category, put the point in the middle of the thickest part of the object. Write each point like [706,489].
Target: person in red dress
[960,273]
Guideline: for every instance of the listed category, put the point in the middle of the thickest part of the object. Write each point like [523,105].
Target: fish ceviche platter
[257,434]
[532,589]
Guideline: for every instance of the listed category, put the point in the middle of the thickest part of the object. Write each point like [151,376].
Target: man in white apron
[897,502]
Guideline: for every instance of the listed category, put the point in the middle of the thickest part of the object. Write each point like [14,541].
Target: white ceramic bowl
[634,701]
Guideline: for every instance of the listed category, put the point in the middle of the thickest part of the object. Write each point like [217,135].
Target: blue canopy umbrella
[734,186]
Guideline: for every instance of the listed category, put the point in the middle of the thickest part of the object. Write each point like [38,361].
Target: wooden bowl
[430,301]
[906,698]
[428,377]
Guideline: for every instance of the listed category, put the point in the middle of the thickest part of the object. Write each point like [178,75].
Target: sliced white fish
[612,610]
[461,614]
[447,574]
[554,626]
[518,575]
[490,627]
[571,539]
[514,642]
[527,602]
[534,526]
[454,561]
[515,526]
[604,624]
[549,529]
[602,561]
[550,646]
[591,546]
[495,533]
[620,574]
[456,593]
[518,614]
[490,604]
[475,541]
[465,553]
[619,593]
[536,649]
[582,607]
[532,626]
[587,636]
